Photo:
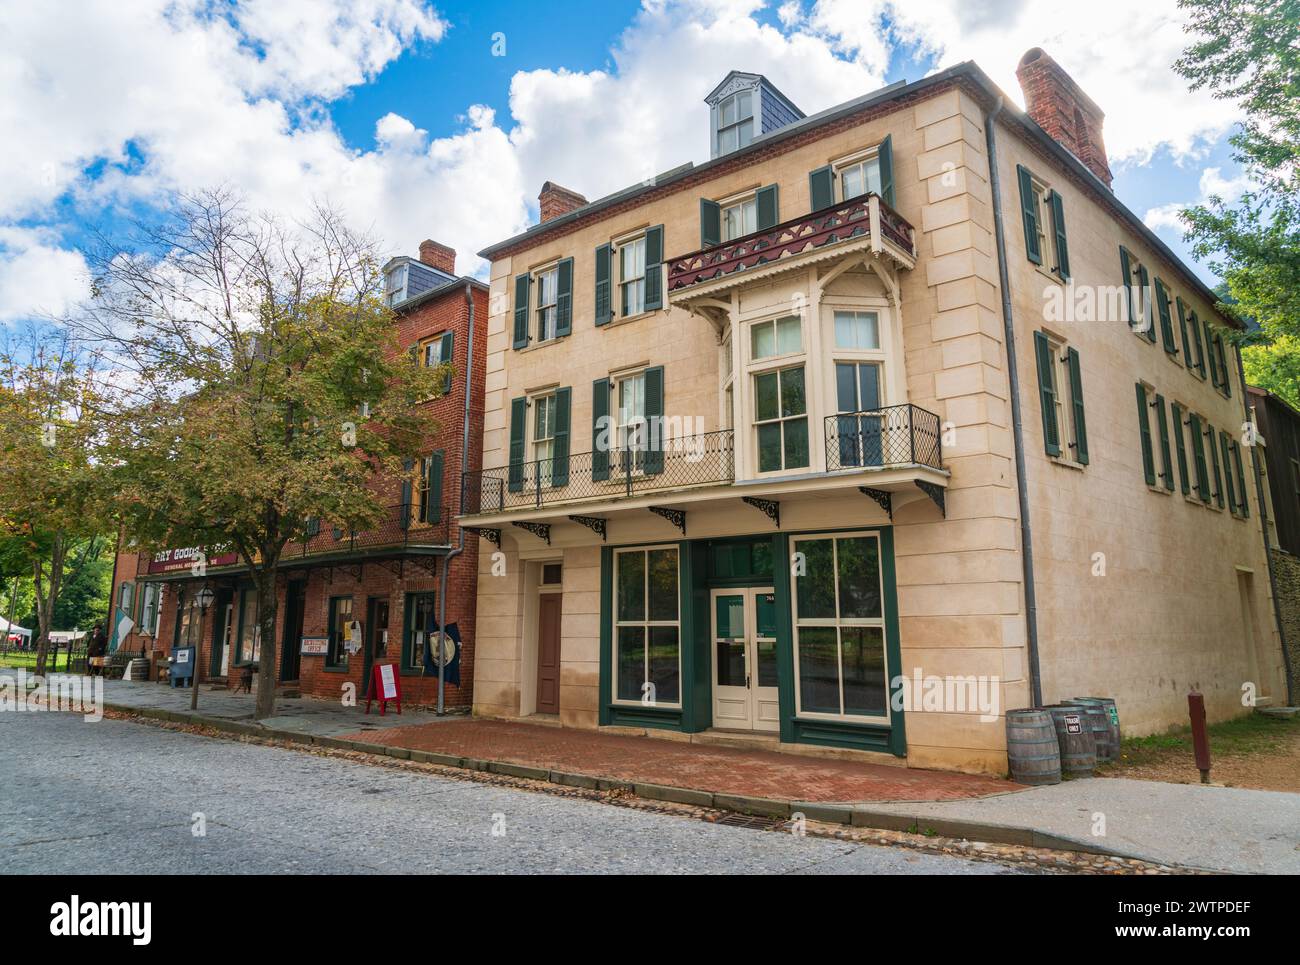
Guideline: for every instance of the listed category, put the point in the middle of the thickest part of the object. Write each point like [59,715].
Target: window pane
[762,340]
[788,335]
[631,586]
[749,216]
[796,444]
[727,111]
[766,654]
[731,616]
[765,614]
[815,589]
[631,662]
[819,681]
[857,330]
[743,108]
[745,129]
[727,141]
[731,662]
[863,657]
[663,584]
[663,664]
[851,181]
[765,390]
[872,169]
[792,398]
[769,447]
[859,568]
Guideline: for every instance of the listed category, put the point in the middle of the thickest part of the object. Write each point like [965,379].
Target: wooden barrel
[1032,751]
[1098,723]
[1112,720]
[139,668]
[1074,737]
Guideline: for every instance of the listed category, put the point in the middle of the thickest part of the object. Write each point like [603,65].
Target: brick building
[386,579]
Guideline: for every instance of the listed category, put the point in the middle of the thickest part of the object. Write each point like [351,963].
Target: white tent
[13,629]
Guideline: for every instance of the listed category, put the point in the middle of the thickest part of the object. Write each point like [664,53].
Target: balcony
[896,435]
[394,534]
[707,459]
[864,223]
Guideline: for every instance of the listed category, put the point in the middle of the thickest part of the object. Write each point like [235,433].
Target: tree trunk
[265,579]
[46,596]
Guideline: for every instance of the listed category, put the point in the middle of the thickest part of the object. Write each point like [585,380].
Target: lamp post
[204,600]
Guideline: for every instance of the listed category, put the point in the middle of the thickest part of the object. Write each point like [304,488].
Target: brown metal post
[1200,739]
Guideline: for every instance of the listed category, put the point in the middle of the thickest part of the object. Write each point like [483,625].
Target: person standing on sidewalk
[95,651]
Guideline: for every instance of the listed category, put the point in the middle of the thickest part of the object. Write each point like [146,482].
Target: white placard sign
[387,681]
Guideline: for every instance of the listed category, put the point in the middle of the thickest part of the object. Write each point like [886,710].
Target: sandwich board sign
[385,686]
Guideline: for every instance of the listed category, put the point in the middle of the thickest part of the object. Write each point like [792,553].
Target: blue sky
[398,111]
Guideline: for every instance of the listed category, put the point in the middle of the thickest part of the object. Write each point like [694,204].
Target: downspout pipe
[1017,423]
[1263,525]
[464,452]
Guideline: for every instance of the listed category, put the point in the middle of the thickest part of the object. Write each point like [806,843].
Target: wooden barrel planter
[1074,737]
[1098,723]
[1112,721]
[1033,753]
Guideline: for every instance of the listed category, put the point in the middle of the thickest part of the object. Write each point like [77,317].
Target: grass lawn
[28,661]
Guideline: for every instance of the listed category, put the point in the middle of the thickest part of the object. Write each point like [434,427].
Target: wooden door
[548,653]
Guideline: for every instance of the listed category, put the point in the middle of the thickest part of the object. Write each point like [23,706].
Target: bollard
[1200,739]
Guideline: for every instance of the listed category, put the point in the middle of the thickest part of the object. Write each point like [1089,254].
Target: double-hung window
[859,177]
[547,296]
[248,645]
[435,352]
[340,629]
[630,426]
[647,631]
[1060,394]
[781,419]
[840,662]
[739,218]
[631,275]
[781,336]
[735,121]
[1043,214]
[543,424]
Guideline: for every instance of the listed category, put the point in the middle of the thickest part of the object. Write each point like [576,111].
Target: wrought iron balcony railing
[401,526]
[699,460]
[896,435]
[859,216]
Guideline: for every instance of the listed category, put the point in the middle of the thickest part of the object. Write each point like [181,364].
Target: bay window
[840,664]
[647,629]
[781,419]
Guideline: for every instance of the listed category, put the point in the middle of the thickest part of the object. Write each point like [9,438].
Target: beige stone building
[844,438]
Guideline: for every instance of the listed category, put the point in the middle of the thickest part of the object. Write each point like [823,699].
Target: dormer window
[735,121]
[395,286]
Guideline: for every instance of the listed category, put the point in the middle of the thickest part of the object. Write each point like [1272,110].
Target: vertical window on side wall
[547,283]
[631,273]
[340,616]
[647,629]
[781,419]
[543,435]
[840,661]
[248,646]
[1060,394]
[735,121]
[1180,445]
[421,616]
[739,218]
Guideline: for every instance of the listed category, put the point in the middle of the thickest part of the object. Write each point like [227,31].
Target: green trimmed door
[743,627]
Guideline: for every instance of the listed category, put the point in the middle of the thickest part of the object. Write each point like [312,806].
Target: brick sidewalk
[721,770]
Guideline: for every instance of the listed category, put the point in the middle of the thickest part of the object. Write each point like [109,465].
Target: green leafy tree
[1248,51]
[261,386]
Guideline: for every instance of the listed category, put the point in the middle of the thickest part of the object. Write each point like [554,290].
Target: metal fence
[59,658]
[704,459]
[896,435]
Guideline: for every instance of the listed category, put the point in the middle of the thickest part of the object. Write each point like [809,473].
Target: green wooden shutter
[1228,472]
[710,223]
[1195,324]
[448,345]
[1225,375]
[1148,316]
[600,444]
[654,270]
[1187,341]
[1214,464]
[604,306]
[1166,320]
[1062,243]
[518,423]
[1198,455]
[1243,501]
[821,188]
[1047,394]
[1180,445]
[407,466]
[1144,430]
[1126,270]
[767,207]
[1029,214]
[1166,463]
[654,414]
[1076,401]
[523,284]
[560,449]
[885,156]
[564,297]
[1209,350]
[433,486]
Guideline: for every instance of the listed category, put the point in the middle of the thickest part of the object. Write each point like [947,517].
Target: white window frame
[756,423]
[859,160]
[752,327]
[637,306]
[1046,219]
[395,294]
[536,404]
[546,313]
[647,623]
[746,207]
[738,119]
[634,430]
[839,622]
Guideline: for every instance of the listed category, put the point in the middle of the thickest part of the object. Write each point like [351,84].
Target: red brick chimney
[555,200]
[1063,110]
[438,256]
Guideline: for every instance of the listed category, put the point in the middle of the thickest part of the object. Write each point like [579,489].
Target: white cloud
[1212,185]
[37,278]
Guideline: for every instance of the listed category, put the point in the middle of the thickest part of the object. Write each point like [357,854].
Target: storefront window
[340,617]
[420,616]
[250,630]
[840,627]
[647,634]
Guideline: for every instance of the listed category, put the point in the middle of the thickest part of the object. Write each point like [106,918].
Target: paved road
[118,796]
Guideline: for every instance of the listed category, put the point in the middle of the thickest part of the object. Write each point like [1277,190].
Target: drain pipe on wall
[1263,525]
[1017,426]
[464,452]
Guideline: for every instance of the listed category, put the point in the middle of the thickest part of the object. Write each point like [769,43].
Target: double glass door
[744,659]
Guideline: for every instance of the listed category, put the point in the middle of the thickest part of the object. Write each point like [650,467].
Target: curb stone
[761,806]
[673,795]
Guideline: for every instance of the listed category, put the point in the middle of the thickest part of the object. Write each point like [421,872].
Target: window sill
[534,345]
[1067,463]
[1048,273]
[329,669]
[618,320]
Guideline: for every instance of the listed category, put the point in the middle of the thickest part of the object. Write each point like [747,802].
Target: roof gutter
[464,452]
[1017,424]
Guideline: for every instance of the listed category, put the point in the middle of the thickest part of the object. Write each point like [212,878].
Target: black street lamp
[204,599]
